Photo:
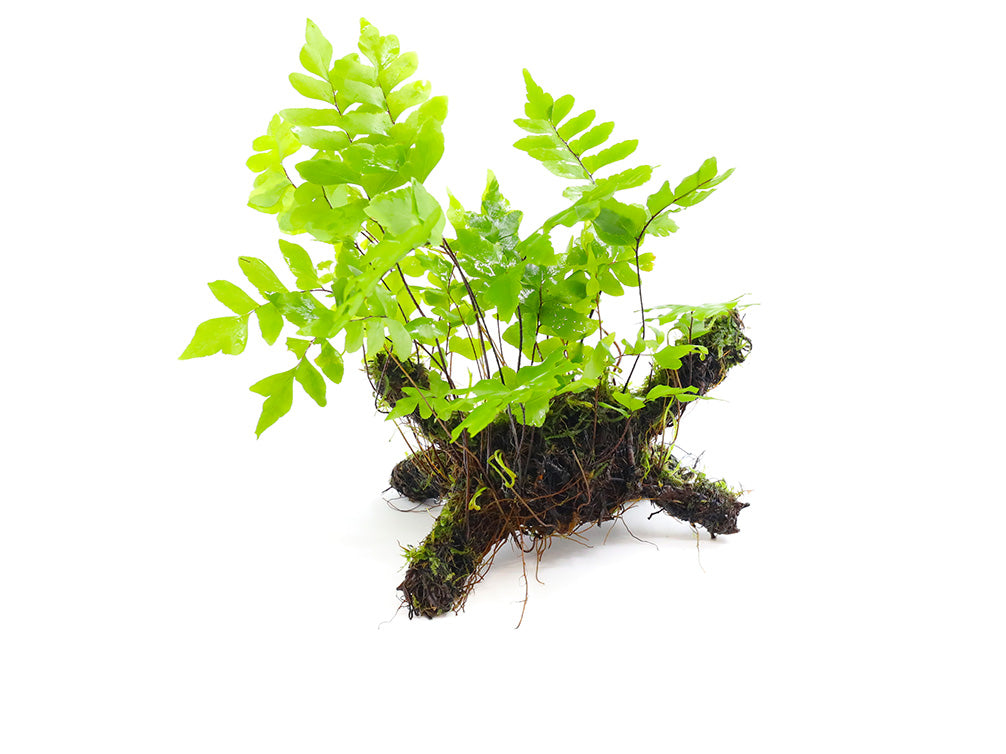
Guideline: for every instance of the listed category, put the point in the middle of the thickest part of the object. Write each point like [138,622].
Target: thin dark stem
[479,316]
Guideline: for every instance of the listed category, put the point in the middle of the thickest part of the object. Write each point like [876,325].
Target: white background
[170,584]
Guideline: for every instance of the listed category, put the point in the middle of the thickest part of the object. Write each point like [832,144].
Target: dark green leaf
[619,224]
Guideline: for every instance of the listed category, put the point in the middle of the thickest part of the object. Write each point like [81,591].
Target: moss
[588,461]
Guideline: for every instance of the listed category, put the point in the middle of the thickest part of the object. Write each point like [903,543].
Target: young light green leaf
[298,346]
[304,310]
[232,297]
[575,125]
[408,96]
[330,362]
[539,102]
[537,249]
[366,122]
[401,340]
[312,88]
[662,225]
[300,264]
[619,151]
[403,407]
[327,172]
[278,389]
[227,334]
[260,275]
[670,357]
[630,401]
[397,71]
[683,394]
[593,138]
[270,322]
[316,55]
[660,199]
[561,108]
[479,418]
[404,209]
[503,292]
[311,380]
[309,117]
[319,138]
[381,51]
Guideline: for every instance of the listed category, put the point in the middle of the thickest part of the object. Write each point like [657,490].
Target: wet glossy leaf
[226,334]
[300,264]
[619,224]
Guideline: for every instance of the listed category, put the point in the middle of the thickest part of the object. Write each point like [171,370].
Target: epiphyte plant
[486,344]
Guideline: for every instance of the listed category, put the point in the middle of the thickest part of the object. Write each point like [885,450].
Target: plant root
[587,463]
